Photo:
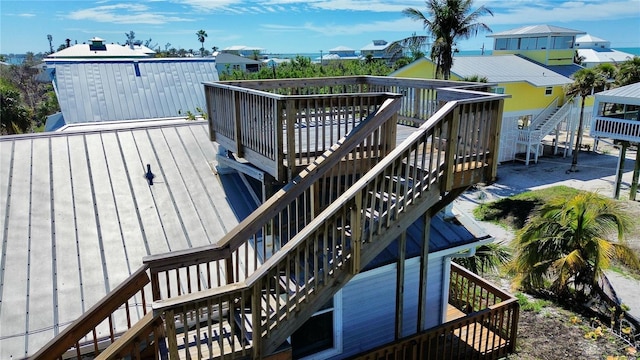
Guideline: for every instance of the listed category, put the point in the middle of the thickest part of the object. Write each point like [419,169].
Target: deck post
[402,246]
[620,170]
[424,267]
[494,141]
[238,124]
[356,233]
[451,147]
[290,123]
[636,175]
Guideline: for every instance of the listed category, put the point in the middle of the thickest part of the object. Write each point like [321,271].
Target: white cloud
[27,15]
[123,14]
[554,12]
[399,25]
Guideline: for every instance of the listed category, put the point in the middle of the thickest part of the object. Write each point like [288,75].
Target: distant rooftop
[97,48]
[536,30]
[507,68]
[126,89]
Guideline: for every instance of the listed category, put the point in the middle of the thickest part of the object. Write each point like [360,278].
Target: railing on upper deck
[487,331]
[311,114]
[618,129]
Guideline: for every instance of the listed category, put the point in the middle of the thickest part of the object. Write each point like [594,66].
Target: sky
[287,26]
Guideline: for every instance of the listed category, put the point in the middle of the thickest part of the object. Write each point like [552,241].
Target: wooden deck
[324,231]
[476,335]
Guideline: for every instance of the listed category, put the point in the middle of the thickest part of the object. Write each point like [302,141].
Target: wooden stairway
[324,226]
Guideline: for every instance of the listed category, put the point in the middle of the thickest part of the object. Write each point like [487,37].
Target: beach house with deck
[303,220]
[617,118]
[532,64]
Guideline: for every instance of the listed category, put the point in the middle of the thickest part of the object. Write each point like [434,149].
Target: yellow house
[532,64]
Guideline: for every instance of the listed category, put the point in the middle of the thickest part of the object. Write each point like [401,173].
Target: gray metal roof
[536,30]
[506,69]
[376,45]
[78,216]
[111,90]
[226,58]
[629,94]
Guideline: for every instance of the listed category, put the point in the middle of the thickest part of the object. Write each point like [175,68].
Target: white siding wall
[368,300]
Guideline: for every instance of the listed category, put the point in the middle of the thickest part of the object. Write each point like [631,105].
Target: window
[513,44]
[321,336]
[562,42]
[541,43]
[548,90]
[501,44]
[497,90]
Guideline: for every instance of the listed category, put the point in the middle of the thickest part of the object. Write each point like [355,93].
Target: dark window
[548,90]
[314,336]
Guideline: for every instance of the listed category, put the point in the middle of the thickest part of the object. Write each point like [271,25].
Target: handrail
[86,324]
[493,327]
[264,219]
[469,292]
[332,248]
[544,114]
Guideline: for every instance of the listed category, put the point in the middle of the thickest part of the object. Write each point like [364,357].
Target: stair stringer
[369,251]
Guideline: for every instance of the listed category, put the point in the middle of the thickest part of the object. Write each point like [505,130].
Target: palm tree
[567,244]
[629,72]
[448,21]
[584,83]
[201,34]
[487,257]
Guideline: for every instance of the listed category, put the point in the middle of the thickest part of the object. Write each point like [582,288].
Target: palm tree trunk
[574,161]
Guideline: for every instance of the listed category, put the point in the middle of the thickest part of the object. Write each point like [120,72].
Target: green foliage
[33,100]
[476,78]
[487,257]
[302,67]
[194,116]
[567,245]
[15,118]
[448,21]
[629,72]
[535,305]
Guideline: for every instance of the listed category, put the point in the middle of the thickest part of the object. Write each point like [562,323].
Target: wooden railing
[311,114]
[270,273]
[488,331]
[338,242]
[101,325]
[280,218]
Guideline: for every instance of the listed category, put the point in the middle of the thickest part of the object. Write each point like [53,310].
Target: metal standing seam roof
[533,30]
[506,69]
[111,90]
[629,94]
[78,216]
